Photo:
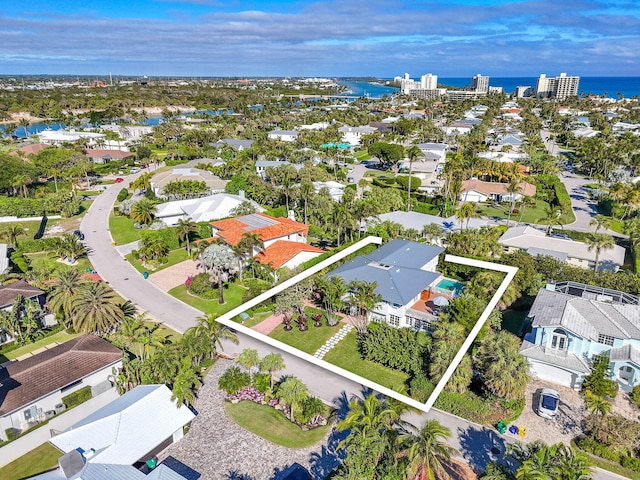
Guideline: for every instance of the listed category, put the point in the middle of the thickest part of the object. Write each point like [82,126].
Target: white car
[549,403]
[134,170]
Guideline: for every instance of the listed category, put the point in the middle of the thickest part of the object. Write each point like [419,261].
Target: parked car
[548,404]
[134,170]
[562,236]
[119,180]
[79,234]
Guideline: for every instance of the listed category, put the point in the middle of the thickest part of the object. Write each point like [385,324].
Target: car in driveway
[79,234]
[548,403]
[119,180]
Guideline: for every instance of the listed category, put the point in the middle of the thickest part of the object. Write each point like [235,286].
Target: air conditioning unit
[60,407]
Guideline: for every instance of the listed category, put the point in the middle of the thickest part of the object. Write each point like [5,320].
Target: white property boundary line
[226,319]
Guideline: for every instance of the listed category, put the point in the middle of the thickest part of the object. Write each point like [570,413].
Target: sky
[324,38]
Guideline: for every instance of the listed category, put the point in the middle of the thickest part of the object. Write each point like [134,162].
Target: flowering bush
[187,282]
[248,393]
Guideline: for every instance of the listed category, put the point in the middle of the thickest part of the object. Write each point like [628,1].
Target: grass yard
[59,337]
[174,257]
[255,319]
[309,341]
[272,425]
[43,458]
[122,230]
[345,355]
[48,259]
[532,214]
[362,155]
[232,296]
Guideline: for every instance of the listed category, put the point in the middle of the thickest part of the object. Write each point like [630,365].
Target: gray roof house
[235,143]
[406,277]
[572,323]
[203,209]
[418,221]
[575,253]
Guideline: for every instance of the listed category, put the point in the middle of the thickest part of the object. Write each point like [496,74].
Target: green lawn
[49,259]
[309,341]
[533,214]
[174,257]
[362,155]
[272,425]
[59,337]
[232,296]
[608,465]
[255,319]
[345,355]
[122,230]
[43,458]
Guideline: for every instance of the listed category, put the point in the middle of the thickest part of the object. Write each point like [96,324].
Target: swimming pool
[449,286]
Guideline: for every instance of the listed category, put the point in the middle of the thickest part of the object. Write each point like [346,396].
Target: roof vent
[88,453]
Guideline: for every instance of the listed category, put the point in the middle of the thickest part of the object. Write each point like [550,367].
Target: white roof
[102,471]
[204,209]
[128,428]
[418,221]
[66,136]
[528,237]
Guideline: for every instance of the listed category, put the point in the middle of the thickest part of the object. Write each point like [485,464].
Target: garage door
[553,374]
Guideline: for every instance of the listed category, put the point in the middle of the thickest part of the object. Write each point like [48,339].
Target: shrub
[123,194]
[398,348]
[36,246]
[76,398]
[204,230]
[255,287]
[233,380]
[590,445]
[262,381]
[11,434]
[420,388]
[634,396]
[631,463]
[598,381]
[200,284]
[166,235]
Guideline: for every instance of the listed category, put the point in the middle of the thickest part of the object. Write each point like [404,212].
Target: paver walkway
[333,341]
[269,324]
[175,275]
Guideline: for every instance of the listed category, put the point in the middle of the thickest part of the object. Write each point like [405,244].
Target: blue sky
[381,38]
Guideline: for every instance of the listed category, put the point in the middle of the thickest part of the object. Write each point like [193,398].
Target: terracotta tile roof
[266,226]
[23,382]
[488,188]
[8,293]
[96,153]
[280,252]
[30,149]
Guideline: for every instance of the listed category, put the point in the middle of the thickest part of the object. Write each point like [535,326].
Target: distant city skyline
[457,38]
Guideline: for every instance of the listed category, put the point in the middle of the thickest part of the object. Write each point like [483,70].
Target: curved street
[478,444]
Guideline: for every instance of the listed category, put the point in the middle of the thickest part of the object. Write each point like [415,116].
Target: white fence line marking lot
[226,319]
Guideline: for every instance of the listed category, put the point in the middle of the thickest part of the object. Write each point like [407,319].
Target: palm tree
[143,211]
[20,182]
[596,404]
[369,415]
[61,296]
[24,123]
[599,242]
[306,191]
[512,189]
[95,308]
[292,392]
[13,232]
[413,153]
[215,331]
[185,385]
[363,299]
[246,246]
[221,263]
[70,246]
[271,363]
[426,451]
[249,358]
[466,212]
[600,221]
[183,229]
[431,232]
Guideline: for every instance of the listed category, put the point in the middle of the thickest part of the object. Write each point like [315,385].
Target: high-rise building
[480,83]
[560,87]
[429,82]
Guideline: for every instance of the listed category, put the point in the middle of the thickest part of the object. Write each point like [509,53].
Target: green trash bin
[502,427]
[145,274]
[152,462]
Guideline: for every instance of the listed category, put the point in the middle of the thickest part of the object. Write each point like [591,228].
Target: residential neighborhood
[255,282]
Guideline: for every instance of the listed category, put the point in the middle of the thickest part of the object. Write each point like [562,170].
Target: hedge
[37,246]
[123,194]
[76,398]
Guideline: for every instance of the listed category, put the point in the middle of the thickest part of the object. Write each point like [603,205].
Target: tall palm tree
[466,212]
[70,246]
[143,211]
[413,153]
[292,392]
[271,363]
[426,451]
[363,299]
[249,358]
[513,189]
[431,232]
[185,385]
[600,221]
[599,242]
[215,331]
[13,232]
[95,308]
[183,229]
[61,296]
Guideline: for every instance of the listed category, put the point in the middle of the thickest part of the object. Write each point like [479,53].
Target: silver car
[549,403]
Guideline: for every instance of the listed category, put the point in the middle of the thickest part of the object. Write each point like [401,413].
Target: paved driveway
[175,275]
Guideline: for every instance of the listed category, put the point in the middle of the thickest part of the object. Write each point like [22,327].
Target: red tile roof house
[105,156]
[284,239]
[31,390]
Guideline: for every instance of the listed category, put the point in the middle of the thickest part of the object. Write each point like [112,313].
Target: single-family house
[572,323]
[406,278]
[114,441]
[10,292]
[575,253]
[160,180]
[235,143]
[417,221]
[58,137]
[4,259]
[283,135]
[32,390]
[475,190]
[284,239]
[352,135]
[27,150]
[105,156]
[335,189]
[203,209]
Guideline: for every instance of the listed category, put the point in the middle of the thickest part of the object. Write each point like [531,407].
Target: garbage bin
[145,274]
[513,429]
[502,427]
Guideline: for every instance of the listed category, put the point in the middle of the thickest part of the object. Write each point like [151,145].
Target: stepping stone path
[332,342]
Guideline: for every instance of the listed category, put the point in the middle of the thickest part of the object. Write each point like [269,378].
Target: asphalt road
[478,445]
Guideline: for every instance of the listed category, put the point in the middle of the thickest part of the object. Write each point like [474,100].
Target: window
[394,320]
[70,386]
[606,339]
[559,340]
